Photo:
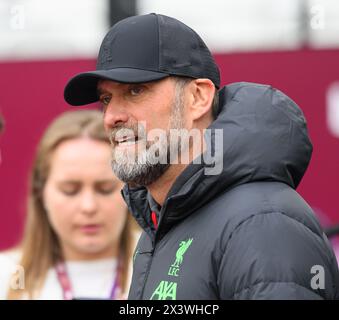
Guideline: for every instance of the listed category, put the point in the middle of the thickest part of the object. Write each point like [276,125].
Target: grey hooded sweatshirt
[244,233]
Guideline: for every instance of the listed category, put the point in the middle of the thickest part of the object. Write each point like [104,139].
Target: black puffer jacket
[245,233]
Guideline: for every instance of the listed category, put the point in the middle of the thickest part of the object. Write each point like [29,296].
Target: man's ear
[201,94]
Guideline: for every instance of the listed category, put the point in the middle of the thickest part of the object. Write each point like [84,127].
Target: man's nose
[113,115]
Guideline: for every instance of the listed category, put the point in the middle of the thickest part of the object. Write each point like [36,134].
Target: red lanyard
[66,287]
[154,219]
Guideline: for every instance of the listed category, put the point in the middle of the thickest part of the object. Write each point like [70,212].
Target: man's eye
[105,100]
[136,90]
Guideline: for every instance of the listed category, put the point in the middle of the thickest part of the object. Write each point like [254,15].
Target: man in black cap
[227,223]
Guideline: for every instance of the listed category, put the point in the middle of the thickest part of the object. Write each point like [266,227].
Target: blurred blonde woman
[79,238]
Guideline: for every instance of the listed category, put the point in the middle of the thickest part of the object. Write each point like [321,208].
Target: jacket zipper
[153,251]
[155,222]
[147,274]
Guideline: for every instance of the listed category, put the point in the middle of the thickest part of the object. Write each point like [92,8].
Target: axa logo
[179,257]
[166,290]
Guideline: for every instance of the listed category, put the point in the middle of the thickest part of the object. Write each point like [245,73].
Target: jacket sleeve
[272,256]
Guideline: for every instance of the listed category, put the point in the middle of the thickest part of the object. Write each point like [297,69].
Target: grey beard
[145,172]
[138,173]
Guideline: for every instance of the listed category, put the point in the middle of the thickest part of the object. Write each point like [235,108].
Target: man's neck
[160,188]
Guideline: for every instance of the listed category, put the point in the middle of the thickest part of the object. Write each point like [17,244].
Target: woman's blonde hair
[40,246]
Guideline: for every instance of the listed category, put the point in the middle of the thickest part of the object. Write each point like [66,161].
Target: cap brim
[82,88]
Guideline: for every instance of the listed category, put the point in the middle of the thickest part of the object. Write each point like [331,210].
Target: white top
[89,279]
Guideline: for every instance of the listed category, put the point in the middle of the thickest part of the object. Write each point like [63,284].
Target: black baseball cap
[144,48]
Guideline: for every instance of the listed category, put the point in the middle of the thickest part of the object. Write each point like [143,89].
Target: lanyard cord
[66,286]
